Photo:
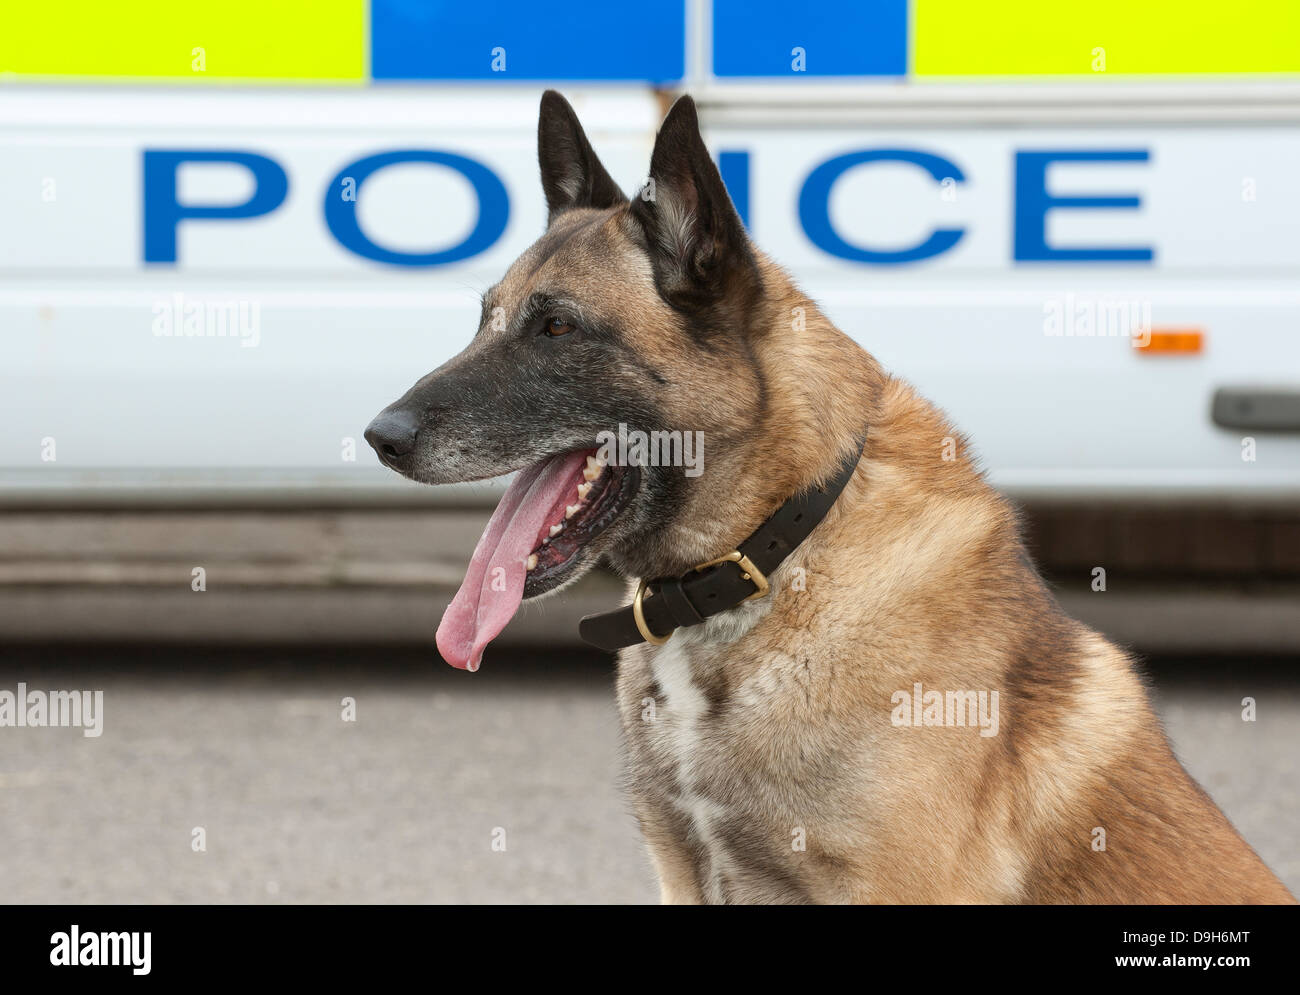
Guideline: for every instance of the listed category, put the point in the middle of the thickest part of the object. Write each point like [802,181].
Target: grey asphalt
[405,803]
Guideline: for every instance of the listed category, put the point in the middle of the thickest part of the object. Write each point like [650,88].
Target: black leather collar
[721,584]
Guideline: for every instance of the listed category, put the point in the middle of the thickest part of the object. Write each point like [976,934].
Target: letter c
[815,198]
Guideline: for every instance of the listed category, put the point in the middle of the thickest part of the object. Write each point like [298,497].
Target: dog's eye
[557,327]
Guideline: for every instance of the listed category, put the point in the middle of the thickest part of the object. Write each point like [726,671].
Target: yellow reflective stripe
[1104,37]
[190,39]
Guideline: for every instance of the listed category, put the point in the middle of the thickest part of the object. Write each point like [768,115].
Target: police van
[230,233]
[219,256]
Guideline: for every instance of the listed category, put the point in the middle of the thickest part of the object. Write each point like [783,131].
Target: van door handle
[1264,409]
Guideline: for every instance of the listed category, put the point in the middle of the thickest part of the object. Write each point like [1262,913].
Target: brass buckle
[638,616]
[751,572]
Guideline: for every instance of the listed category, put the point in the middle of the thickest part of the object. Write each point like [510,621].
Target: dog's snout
[392,434]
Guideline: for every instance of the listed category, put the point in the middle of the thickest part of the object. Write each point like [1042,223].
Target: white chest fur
[676,739]
[683,738]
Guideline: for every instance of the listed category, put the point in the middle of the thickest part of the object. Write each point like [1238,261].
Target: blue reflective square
[838,38]
[576,40]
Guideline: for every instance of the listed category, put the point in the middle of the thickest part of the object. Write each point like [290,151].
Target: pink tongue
[494,584]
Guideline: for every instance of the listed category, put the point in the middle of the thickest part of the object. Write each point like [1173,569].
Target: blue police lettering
[163,212]
[815,198]
[1033,202]
[493,209]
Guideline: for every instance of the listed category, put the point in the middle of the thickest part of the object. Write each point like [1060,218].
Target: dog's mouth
[536,539]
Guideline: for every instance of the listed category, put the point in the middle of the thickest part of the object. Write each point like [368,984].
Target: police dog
[775,752]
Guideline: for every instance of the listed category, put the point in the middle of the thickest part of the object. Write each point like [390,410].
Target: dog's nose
[392,434]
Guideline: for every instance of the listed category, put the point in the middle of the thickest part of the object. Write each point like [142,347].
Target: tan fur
[773,720]
[771,723]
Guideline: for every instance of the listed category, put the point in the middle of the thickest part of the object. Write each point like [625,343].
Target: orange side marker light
[1170,342]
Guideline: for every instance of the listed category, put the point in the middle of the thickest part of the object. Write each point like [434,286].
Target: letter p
[163,212]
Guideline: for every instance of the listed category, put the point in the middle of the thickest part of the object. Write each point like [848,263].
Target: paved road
[401,805]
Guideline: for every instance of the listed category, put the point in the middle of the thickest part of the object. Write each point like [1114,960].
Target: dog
[785,749]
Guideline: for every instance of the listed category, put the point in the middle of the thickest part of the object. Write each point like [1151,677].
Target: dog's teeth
[583,491]
[570,511]
[532,561]
[555,530]
[593,469]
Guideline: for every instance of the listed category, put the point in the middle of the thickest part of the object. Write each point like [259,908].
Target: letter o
[493,208]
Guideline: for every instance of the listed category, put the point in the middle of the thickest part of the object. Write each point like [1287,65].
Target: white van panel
[339,336]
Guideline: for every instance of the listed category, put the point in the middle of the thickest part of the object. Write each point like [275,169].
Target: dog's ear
[698,244]
[572,176]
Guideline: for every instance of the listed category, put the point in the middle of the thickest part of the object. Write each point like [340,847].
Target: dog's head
[622,334]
